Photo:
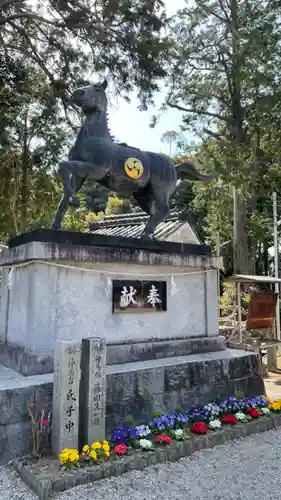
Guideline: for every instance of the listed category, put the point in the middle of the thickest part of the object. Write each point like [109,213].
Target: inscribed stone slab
[67,374]
[93,391]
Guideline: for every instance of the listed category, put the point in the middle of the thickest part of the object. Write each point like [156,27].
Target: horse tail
[188,171]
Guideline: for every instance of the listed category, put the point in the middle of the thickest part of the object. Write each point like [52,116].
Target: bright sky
[130,125]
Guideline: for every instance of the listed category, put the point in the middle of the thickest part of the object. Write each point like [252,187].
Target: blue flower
[119,436]
[132,433]
[179,417]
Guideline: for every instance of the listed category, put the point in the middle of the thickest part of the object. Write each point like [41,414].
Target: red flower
[229,419]
[45,421]
[199,428]
[253,412]
[121,449]
[164,439]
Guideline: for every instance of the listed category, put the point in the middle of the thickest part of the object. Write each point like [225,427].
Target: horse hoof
[74,202]
[148,237]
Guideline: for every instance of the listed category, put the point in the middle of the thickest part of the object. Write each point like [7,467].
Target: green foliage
[69,40]
[32,138]
[156,414]
[226,81]
[117,206]
[76,219]
[129,420]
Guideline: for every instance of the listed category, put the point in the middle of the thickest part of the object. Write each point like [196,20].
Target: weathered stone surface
[143,351]
[171,383]
[139,389]
[14,402]
[14,440]
[93,391]
[66,396]
[27,364]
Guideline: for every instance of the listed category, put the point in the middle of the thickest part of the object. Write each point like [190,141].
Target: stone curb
[44,487]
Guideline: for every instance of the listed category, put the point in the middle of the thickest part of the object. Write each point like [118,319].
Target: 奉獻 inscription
[129,296]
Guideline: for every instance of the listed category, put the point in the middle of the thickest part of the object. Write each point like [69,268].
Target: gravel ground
[248,468]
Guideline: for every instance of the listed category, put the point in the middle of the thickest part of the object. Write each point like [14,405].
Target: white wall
[49,303]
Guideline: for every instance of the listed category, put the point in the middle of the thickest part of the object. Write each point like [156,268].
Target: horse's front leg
[76,184]
[80,170]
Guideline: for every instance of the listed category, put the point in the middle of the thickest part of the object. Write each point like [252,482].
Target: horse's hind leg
[159,210]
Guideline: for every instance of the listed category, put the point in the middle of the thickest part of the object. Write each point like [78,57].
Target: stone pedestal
[58,286]
[62,290]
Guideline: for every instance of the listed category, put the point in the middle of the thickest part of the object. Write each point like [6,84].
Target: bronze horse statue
[150,178]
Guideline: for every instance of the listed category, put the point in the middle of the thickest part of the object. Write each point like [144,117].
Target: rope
[101,271]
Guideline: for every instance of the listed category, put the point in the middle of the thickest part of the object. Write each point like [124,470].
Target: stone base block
[16,358]
[28,364]
[139,388]
[144,351]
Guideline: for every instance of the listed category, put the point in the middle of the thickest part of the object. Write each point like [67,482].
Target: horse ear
[104,84]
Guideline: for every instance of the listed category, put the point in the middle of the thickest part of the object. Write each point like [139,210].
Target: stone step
[159,349]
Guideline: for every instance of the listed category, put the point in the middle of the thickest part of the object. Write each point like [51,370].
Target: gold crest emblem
[133,168]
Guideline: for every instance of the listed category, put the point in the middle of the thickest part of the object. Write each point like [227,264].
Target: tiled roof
[133,223]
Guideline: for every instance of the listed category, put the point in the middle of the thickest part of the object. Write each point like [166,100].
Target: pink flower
[45,421]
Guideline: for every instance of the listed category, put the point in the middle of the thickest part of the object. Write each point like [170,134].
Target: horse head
[92,98]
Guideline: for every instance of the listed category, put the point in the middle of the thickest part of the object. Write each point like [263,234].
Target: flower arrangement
[121,449]
[96,453]
[253,412]
[69,458]
[163,439]
[215,424]
[241,417]
[275,405]
[199,428]
[162,430]
[229,419]
[146,444]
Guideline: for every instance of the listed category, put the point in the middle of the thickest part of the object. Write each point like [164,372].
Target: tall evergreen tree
[225,80]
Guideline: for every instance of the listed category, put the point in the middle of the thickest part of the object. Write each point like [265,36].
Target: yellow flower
[105,443]
[68,455]
[73,456]
[96,445]
[63,458]
[107,453]
[93,455]
[86,449]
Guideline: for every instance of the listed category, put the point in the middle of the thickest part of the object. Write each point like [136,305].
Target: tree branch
[216,136]
[197,112]
[31,16]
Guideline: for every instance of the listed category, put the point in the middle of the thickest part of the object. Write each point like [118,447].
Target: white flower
[241,416]
[265,411]
[178,433]
[142,430]
[145,444]
[215,424]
